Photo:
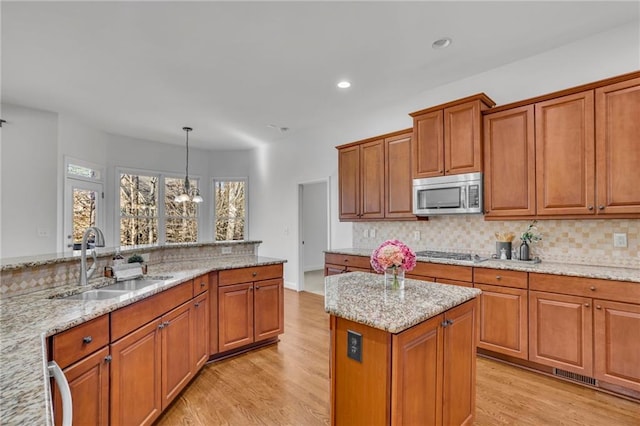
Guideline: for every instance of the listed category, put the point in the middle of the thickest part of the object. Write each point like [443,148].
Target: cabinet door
[399,184]
[463,138]
[618,147]
[349,182]
[177,356]
[200,337]
[503,320]
[372,180]
[560,332]
[416,376]
[136,392]
[268,309]
[565,161]
[509,163]
[89,384]
[617,343]
[235,316]
[213,313]
[459,365]
[428,145]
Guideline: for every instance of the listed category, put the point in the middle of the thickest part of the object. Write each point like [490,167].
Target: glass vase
[394,278]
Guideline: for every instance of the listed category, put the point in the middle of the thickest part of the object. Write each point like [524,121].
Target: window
[83,195]
[138,209]
[181,219]
[230,209]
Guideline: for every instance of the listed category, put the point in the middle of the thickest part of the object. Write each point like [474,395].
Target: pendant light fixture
[188,193]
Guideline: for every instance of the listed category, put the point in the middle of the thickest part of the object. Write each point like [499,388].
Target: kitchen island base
[422,375]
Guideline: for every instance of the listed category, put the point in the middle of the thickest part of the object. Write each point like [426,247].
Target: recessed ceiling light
[344,84]
[441,43]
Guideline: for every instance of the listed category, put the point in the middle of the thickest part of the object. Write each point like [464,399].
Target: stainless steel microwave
[452,194]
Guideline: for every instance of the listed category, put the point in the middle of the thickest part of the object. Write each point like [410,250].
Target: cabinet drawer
[348,260]
[501,277]
[80,341]
[437,270]
[620,291]
[200,284]
[129,318]
[245,275]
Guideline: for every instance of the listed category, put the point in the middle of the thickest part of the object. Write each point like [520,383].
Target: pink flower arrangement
[393,254]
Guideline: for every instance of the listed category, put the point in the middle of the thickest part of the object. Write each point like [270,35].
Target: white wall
[29,175]
[309,154]
[314,225]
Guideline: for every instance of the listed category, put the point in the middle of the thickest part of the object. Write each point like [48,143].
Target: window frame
[246,205]
[162,214]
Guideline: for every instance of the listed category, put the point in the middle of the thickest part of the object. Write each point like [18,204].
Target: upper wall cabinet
[618,147]
[447,139]
[374,178]
[570,154]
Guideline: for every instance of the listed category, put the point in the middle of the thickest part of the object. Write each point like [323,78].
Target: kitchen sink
[137,284]
[100,294]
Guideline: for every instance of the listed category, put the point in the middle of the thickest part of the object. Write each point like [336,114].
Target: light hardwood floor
[288,384]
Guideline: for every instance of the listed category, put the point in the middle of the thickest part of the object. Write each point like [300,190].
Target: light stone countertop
[27,320]
[586,271]
[362,297]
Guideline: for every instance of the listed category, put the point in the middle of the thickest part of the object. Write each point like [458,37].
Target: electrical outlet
[416,235]
[372,233]
[226,250]
[354,345]
[619,239]
[365,233]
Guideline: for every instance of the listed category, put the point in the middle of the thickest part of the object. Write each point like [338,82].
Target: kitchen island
[401,356]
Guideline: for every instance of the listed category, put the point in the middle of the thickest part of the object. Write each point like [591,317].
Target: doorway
[313,220]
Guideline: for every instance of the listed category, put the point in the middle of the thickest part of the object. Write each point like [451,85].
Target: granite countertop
[575,270]
[27,320]
[362,297]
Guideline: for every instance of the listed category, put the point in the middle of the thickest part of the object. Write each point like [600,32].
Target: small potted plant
[528,237]
[136,258]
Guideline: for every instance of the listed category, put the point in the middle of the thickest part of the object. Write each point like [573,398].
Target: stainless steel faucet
[98,242]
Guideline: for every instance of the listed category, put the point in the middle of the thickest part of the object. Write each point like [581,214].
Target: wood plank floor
[288,384]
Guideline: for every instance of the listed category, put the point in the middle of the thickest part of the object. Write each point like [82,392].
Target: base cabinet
[423,375]
[177,351]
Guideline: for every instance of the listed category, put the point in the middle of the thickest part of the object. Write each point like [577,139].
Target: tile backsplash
[585,242]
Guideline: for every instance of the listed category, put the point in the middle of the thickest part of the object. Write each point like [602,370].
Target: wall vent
[575,377]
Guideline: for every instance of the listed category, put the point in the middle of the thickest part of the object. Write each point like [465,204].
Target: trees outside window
[230,209]
[181,219]
[138,209]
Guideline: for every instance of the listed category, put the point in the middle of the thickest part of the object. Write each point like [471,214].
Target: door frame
[327,182]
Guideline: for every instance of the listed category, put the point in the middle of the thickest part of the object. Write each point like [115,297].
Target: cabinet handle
[161,325]
[250,288]
[592,288]
[197,305]
[166,323]
[447,323]
[255,274]
[486,212]
[600,207]
[108,358]
[586,305]
[590,208]
[598,307]
[346,260]
[202,284]
[257,287]
[498,277]
[444,323]
[87,339]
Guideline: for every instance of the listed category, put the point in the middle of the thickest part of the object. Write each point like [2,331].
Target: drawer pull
[346,260]
[108,358]
[586,305]
[590,208]
[202,284]
[255,274]
[166,323]
[87,339]
[601,207]
[592,288]
[498,277]
[197,305]
[257,287]
[598,307]
[161,325]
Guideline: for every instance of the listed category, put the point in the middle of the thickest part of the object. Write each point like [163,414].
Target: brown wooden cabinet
[340,263]
[200,338]
[249,312]
[177,366]
[442,273]
[136,382]
[503,311]
[618,147]
[447,139]
[89,384]
[509,163]
[374,178]
[565,159]
[423,375]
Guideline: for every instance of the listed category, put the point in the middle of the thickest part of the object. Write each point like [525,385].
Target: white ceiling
[230,69]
